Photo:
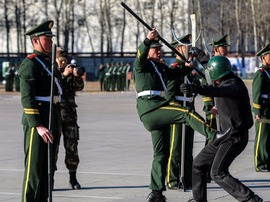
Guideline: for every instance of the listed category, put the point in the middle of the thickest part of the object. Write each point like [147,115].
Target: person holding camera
[72,82]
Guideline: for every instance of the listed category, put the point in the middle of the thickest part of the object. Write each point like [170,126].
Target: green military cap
[155,44]
[184,39]
[42,29]
[264,51]
[220,41]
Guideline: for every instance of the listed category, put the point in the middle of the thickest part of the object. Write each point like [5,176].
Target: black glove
[187,88]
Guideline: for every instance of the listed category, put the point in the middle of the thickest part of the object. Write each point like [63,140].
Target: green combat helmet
[219,66]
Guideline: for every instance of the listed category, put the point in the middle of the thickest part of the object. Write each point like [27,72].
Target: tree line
[88,26]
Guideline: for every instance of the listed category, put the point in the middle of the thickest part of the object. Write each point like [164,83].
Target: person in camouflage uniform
[72,82]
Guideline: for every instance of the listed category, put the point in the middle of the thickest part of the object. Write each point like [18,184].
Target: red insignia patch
[174,65]
[32,56]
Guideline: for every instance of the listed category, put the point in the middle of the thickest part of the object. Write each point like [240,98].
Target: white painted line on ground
[82,172]
[66,196]
[84,196]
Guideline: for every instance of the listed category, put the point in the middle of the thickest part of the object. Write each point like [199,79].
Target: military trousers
[174,113]
[158,123]
[174,161]
[220,154]
[35,183]
[71,136]
[262,146]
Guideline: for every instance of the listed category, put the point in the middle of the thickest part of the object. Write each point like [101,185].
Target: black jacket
[233,104]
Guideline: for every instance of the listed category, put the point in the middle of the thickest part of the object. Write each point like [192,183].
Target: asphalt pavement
[115,153]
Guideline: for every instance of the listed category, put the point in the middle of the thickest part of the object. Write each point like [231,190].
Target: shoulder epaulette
[174,65]
[31,56]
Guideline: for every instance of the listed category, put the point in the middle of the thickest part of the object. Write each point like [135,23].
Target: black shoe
[155,198]
[255,198]
[193,200]
[263,170]
[73,182]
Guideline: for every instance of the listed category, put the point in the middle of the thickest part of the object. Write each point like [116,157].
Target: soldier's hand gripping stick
[160,38]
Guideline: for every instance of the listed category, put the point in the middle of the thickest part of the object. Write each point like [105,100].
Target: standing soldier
[119,76]
[157,113]
[101,75]
[114,76]
[72,82]
[107,79]
[9,77]
[128,76]
[261,109]
[174,94]
[35,83]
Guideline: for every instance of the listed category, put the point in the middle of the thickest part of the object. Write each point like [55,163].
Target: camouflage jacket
[70,85]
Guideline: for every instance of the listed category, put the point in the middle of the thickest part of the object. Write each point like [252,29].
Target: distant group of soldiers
[115,76]
[11,77]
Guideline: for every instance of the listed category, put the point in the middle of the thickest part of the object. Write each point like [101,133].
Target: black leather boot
[155,196]
[73,180]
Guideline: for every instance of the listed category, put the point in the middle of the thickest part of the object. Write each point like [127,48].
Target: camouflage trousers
[70,132]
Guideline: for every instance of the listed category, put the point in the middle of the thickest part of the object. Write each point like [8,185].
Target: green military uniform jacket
[147,79]
[35,81]
[173,86]
[261,92]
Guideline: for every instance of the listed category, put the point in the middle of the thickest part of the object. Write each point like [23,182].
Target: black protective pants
[220,154]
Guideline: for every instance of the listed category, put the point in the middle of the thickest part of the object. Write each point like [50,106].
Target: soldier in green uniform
[107,79]
[72,82]
[118,76]
[157,113]
[123,76]
[261,109]
[114,76]
[174,94]
[35,83]
[101,75]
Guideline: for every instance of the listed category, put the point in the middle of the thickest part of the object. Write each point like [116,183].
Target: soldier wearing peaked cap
[261,109]
[157,113]
[35,82]
[174,94]
[220,46]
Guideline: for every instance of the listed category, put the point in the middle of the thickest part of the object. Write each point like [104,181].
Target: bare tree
[7,26]
[123,32]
